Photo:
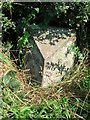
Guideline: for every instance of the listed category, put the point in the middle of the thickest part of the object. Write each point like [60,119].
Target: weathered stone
[50,59]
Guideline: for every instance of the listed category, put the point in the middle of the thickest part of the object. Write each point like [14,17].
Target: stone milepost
[50,59]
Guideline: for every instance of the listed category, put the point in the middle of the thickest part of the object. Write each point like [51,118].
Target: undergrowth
[69,100]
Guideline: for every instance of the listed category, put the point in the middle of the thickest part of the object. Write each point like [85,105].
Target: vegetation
[68,100]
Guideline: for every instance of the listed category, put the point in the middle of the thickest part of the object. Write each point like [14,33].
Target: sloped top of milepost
[51,39]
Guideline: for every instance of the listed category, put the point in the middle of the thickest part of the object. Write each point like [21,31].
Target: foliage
[9,80]
[44,110]
[85,83]
[64,14]
[24,23]
[63,108]
[9,77]
[75,49]
[16,105]
[19,19]
[7,24]
[22,41]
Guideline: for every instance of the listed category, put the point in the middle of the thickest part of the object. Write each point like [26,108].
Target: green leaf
[22,41]
[37,9]
[14,85]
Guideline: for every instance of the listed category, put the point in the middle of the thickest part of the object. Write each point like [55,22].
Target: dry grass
[68,87]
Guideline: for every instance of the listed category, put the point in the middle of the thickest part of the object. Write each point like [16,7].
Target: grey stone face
[50,59]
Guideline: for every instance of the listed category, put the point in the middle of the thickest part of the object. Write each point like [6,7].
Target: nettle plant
[6,22]
[77,53]
[22,46]
[22,41]
[25,25]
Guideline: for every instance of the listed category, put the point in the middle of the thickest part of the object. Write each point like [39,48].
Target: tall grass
[69,100]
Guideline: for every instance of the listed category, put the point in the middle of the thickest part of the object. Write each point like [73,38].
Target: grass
[68,100]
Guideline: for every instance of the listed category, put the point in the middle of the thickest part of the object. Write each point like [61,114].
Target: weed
[16,104]
[78,55]
[85,83]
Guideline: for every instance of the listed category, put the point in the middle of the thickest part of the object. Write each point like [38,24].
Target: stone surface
[50,59]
